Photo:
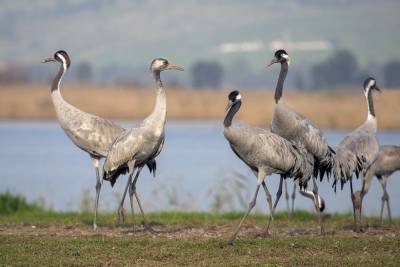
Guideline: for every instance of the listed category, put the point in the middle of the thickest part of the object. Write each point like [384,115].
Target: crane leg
[251,206]
[145,222]
[131,166]
[388,209]
[131,202]
[316,202]
[120,212]
[269,199]
[382,208]
[132,191]
[278,193]
[293,195]
[95,163]
[352,200]
[287,199]
[362,195]
[385,198]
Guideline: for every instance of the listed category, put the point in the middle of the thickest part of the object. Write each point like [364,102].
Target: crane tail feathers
[112,176]
[152,166]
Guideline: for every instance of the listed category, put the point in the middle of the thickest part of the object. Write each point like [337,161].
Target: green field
[48,238]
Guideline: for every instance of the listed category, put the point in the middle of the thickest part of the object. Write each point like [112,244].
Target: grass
[42,245]
[30,235]
[98,250]
[10,204]
[176,218]
[326,109]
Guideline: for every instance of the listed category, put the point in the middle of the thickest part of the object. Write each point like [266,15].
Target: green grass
[10,204]
[146,249]
[193,219]
[33,236]
[101,250]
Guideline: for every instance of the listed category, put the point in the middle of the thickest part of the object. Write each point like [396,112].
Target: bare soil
[188,232]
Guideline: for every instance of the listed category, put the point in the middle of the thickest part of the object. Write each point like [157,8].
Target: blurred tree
[207,74]
[391,74]
[239,73]
[298,81]
[13,73]
[84,72]
[340,69]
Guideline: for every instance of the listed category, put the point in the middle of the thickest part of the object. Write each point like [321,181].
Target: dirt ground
[187,233]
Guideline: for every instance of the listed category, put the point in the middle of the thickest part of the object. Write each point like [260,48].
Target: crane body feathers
[295,127]
[263,150]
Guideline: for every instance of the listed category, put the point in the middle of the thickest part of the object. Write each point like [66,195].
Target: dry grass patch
[335,110]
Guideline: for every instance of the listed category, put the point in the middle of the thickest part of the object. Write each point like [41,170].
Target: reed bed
[338,109]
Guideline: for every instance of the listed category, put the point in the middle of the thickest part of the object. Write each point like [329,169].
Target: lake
[196,171]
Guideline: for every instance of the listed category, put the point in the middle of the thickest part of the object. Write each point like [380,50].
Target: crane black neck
[281,80]
[231,113]
[56,82]
[370,101]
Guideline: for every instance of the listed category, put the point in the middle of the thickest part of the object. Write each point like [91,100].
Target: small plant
[173,196]
[86,201]
[10,203]
[229,193]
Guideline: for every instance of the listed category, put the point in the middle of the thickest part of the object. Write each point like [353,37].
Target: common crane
[295,127]
[137,146]
[90,133]
[265,153]
[387,162]
[358,150]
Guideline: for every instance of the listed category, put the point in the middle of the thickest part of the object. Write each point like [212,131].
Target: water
[196,168]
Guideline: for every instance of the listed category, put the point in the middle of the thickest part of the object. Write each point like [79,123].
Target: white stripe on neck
[370,117]
[63,60]
[59,81]
[367,91]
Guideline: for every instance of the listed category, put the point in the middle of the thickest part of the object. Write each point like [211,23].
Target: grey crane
[137,146]
[358,150]
[387,162]
[295,127]
[265,153]
[90,133]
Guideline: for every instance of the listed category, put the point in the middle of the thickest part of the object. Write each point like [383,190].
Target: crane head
[59,56]
[280,56]
[370,84]
[160,64]
[233,98]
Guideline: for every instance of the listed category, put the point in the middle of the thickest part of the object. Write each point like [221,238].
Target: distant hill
[131,33]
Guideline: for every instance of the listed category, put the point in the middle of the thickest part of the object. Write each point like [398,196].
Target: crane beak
[174,67]
[273,61]
[49,59]
[378,89]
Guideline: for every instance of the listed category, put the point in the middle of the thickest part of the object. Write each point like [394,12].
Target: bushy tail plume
[304,165]
[326,164]
[345,163]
